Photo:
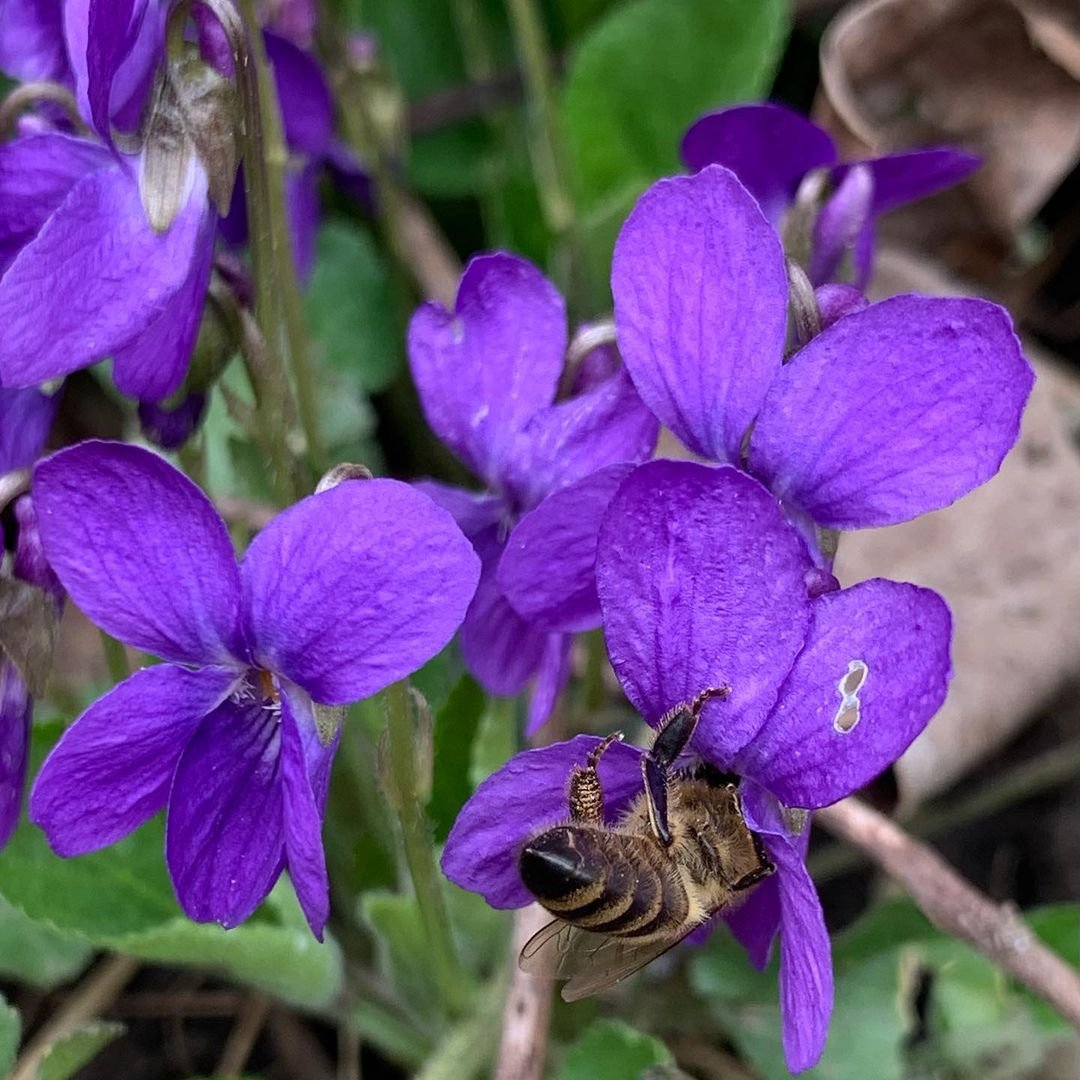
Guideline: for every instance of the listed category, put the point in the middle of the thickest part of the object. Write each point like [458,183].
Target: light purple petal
[140,549]
[702,584]
[826,738]
[840,222]
[16,709]
[474,511]
[32,41]
[307,110]
[770,149]
[93,278]
[29,563]
[700,307]
[551,680]
[303,807]
[893,411]
[528,792]
[756,922]
[225,835]
[836,300]
[112,769]
[352,589]
[302,203]
[569,441]
[904,178]
[36,174]
[501,650]
[483,370]
[154,365]
[25,419]
[548,570]
[806,974]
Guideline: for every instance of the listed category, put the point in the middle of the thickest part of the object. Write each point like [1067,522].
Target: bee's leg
[764,868]
[676,730]
[586,793]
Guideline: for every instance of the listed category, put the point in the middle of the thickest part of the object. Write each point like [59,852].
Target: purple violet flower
[25,419]
[340,595]
[487,375]
[704,584]
[772,150]
[892,411]
[83,276]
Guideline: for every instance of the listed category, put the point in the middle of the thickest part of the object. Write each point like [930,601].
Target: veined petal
[530,791]
[354,588]
[907,177]
[551,678]
[701,307]
[25,419]
[474,511]
[501,650]
[225,836]
[548,570]
[567,442]
[484,369]
[154,364]
[894,411]
[770,148]
[94,278]
[874,670]
[302,755]
[36,174]
[702,585]
[112,769]
[141,550]
[16,709]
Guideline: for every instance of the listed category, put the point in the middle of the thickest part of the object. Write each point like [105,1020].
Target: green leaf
[72,1051]
[121,898]
[10,1030]
[1058,925]
[36,954]
[403,949]
[456,724]
[612,1050]
[351,307]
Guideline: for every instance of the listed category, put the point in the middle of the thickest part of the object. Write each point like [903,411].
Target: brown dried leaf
[998,77]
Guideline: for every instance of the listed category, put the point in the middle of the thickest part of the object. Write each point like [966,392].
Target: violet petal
[141,550]
[756,921]
[839,224]
[32,41]
[16,709]
[474,511]
[484,369]
[700,293]
[354,588]
[551,678]
[893,411]
[224,837]
[112,769]
[701,584]
[527,793]
[25,419]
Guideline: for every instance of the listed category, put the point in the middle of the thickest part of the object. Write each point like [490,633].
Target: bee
[623,894]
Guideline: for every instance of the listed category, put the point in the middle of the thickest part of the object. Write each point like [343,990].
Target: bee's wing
[591,962]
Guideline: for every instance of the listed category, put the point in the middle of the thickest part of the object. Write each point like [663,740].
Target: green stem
[470,1045]
[115,657]
[530,38]
[420,849]
[277,303]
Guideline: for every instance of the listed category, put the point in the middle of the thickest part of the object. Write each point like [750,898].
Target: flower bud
[340,473]
[171,426]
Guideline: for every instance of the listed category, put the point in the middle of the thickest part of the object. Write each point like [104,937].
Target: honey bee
[623,894]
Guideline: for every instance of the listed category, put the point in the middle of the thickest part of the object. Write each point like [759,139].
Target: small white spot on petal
[851,682]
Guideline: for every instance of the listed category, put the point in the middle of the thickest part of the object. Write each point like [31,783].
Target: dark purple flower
[772,150]
[84,276]
[337,597]
[703,584]
[487,375]
[892,411]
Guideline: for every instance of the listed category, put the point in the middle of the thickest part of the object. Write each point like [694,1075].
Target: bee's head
[552,865]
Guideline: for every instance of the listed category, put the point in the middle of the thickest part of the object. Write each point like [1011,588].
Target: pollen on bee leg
[849,712]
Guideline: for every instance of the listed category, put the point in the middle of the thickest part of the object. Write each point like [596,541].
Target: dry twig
[956,907]
[242,1038]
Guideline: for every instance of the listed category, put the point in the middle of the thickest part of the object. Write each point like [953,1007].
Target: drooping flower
[336,598]
[31,595]
[83,275]
[892,411]
[487,375]
[703,584]
[773,150]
